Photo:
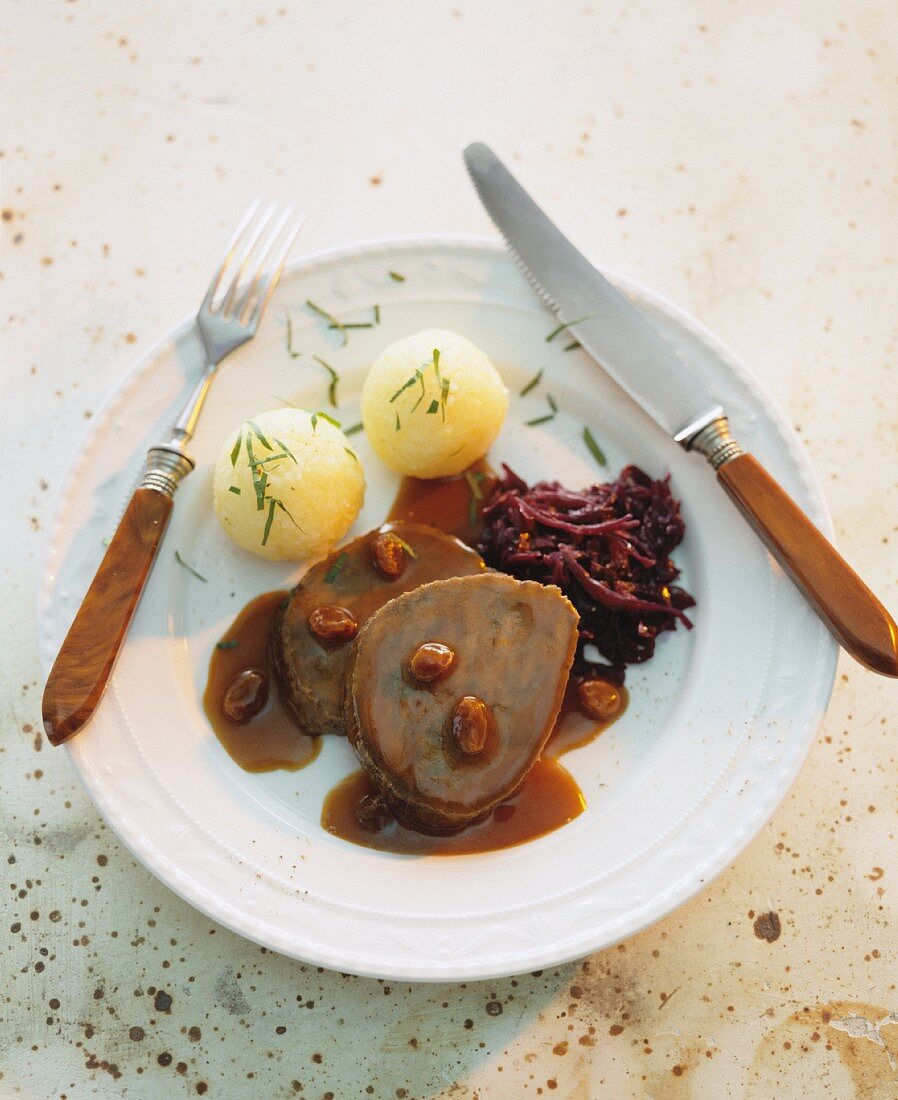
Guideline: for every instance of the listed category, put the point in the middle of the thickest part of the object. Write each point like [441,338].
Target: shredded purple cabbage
[606,547]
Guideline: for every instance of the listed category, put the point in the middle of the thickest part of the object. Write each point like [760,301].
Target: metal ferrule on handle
[167,466]
[713,440]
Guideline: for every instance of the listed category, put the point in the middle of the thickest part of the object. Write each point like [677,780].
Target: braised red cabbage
[606,547]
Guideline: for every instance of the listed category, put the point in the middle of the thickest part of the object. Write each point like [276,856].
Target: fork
[227,319]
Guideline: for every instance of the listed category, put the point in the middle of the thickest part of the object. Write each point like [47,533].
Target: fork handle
[84,664]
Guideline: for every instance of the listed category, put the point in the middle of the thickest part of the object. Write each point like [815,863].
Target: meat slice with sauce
[333,601]
[452,691]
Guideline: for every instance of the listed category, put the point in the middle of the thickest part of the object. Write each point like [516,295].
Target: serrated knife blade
[635,355]
[608,326]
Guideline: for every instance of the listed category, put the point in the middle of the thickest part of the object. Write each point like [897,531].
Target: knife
[636,356]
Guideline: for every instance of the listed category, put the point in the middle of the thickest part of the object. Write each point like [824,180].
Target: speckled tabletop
[740,158]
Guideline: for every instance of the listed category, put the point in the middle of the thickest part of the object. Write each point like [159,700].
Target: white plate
[718,726]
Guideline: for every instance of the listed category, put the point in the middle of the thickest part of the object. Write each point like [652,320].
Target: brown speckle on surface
[767,926]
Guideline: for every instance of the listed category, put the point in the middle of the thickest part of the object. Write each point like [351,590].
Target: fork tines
[255,256]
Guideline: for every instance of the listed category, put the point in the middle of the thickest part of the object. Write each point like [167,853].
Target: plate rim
[719,859]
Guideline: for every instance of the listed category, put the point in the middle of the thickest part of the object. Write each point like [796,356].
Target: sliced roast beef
[334,600]
[452,691]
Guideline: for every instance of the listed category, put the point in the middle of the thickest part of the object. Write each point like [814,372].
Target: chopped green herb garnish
[433,407]
[406,385]
[231,643]
[324,416]
[593,447]
[410,550]
[283,507]
[284,401]
[236,449]
[396,277]
[105,541]
[377,315]
[255,427]
[259,480]
[423,391]
[353,324]
[268,521]
[336,568]
[233,489]
[335,378]
[566,325]
[532,384]
[540,420]
[353,429]
[330,318]
[351,454]
[551,401]
[573,344]
[190,569]
[273,458]
[475,479]
[285,449]
[293,354]
[418,378]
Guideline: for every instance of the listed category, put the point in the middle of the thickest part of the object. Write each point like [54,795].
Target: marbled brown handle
[82,668]
[840,597]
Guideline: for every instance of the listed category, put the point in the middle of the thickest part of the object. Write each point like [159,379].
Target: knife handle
[84,663]
[841,599]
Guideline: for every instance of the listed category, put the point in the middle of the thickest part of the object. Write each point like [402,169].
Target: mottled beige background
[739,157]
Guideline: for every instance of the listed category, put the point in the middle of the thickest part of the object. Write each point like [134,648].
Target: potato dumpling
[432,404]
[287,485]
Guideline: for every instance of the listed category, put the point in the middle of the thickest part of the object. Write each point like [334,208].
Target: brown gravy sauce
[549,796]
[447,503]
[270,739]
[548,799]
[574,728]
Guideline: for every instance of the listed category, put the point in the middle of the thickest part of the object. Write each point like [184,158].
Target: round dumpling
[432,404]
[287,485]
